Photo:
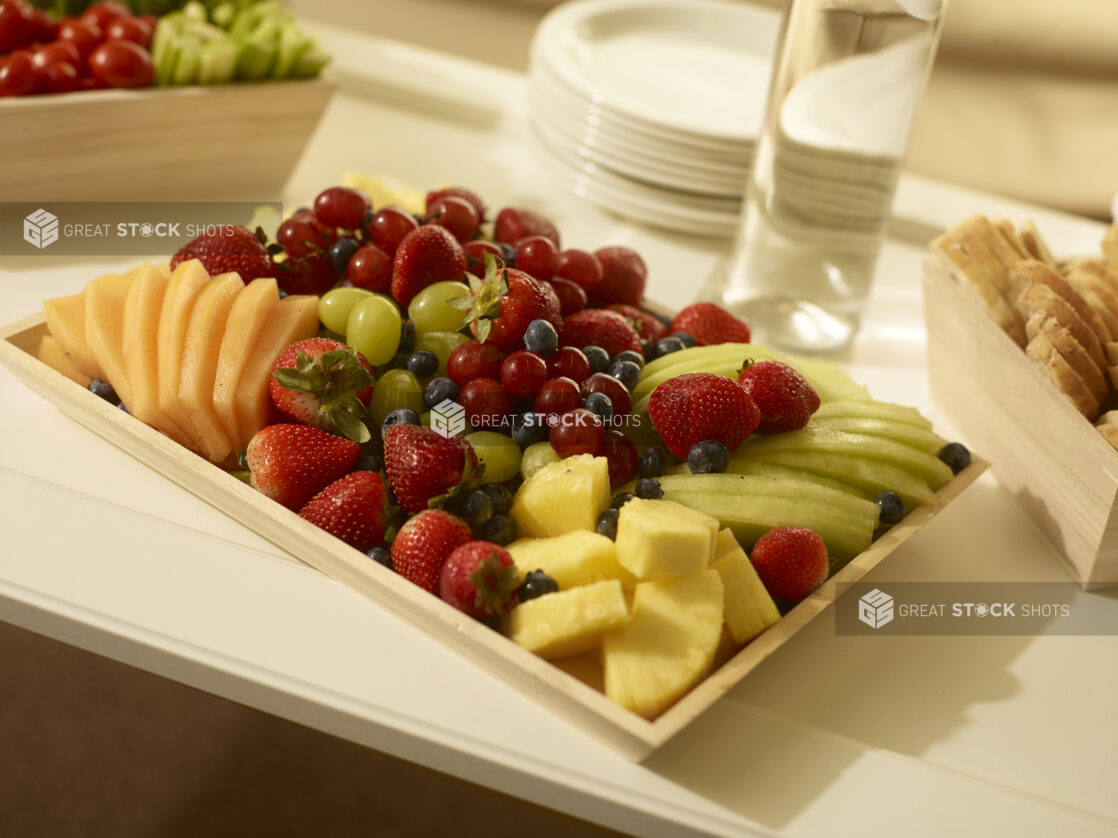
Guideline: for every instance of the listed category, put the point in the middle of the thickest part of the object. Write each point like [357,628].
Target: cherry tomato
[56,51]
[15,26]
[121,64]
[17,76]
[150,20]
[102,14]
[85,36]
[129,29]
[56,77]
[43,29]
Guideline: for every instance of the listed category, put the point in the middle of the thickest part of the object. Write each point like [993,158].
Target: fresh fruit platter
[494,435]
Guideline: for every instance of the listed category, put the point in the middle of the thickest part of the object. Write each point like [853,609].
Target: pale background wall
[1023,100]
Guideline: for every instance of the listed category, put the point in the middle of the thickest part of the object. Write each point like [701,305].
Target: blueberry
[369,462]
[399,416]
[598,358]
[600,404]
[341,252]
[381,555]
[500,529]
[407,336]
[668,345]
[607,524]
[649,489]
[626,372]
[620,499]
[629,355]
[103,389]
[438,390]
[508,254]
[708,457]
[476,508]
[955,454]
[892,507]
[528,428]
[686,338]
[651,463]
[422,363]
[501,497]
[536,583]
[540,337]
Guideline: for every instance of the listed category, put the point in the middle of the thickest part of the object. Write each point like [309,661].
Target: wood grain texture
[581,703]
[1051,460]
[236,142]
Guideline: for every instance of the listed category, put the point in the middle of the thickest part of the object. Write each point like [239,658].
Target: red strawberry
[424,543]
[709,323]
[457,192]
[292,463]
[321,382]
[784,397]
[600,327]
[648,327]
[426,255]
[480,579]
[505,302]
[353,509]
[791,561]
[516,223]
[234,249]
[698,406]
[424,466]
[624,275]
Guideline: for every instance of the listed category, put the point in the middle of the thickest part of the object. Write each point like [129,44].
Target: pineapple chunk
[667,646]
[662,538]
[562,496]
[749,609]
[52,354]
[725,543]
[572,559]
[568,622]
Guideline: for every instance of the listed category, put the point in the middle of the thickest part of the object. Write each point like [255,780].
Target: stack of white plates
[651,108]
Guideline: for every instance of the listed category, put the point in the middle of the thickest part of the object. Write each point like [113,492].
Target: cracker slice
[1067,381]
[971,259]
[1038,298]
[1108,418]
[1098,296]
[1034,244]
[1109,433]
[1110,246]
[1009,233]
[1032,270]
[1072,352]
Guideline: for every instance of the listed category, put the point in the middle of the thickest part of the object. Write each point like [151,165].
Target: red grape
[599,382]
[537,256]
[475,256]
[558,396]
[485,402]
[388,228]
[571,296]
[457,192]
[122,64]
[579,267]
[577,432]
[474,360]
[514,223]
[568,362]
[523,373]
[619,450]
[370,268]
[342,207]
[311,274]
[303,233]
[456,215]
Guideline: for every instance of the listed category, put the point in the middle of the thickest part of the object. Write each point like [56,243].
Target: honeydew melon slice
[104,329]
[140,347]
[293,319]
[50,353]
[873,409]
[201,346]
[246,322]
[186,283]
[66,322]
[911,435]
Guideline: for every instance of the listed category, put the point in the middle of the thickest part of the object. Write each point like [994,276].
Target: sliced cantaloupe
[293,319]
[140,346]
[51,353]
[201,346]
[186,283]
[104,329]
[246,322]
[66,322]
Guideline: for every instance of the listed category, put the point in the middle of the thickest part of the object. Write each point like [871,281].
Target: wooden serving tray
[578,701]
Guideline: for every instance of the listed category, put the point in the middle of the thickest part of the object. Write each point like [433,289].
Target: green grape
[396,388]
[442,344]
[536,456]
[499,454]
[334,307]
[429,309]
[373,329]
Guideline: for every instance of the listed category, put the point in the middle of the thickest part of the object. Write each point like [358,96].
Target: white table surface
[833,735]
